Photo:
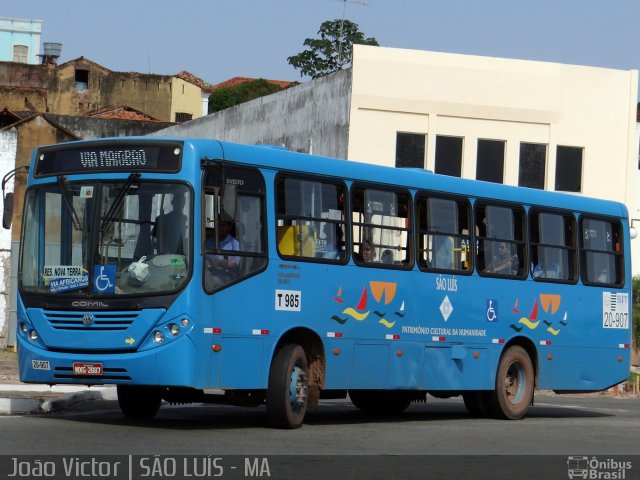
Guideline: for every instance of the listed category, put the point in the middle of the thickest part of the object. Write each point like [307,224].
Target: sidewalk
[19,398]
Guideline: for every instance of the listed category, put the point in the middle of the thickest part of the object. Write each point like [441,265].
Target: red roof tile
[121,112]
[232,82]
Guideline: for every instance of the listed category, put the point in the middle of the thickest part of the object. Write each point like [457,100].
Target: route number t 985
[288,300]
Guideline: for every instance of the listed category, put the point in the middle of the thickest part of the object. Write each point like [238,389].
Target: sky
[220,39]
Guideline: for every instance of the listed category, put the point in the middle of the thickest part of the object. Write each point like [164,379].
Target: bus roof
[278,158]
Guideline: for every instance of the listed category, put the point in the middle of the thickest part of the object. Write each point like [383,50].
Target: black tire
[514,385]
[288,388]
[476,403]
[139,402]
[381,401]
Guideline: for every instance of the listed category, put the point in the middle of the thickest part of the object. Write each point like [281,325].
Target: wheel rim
[515,383]
[298,388]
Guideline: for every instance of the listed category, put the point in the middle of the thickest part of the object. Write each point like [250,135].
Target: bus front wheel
[139,402]
[514,385]
[288,387]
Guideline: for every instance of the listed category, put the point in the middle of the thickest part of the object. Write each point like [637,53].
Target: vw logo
[87,320]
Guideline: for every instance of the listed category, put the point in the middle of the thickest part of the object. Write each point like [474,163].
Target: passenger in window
[537,271]
[335,246]
[170,228]
[366,253]
[552,270]
[222,269]
[502,261]
[444,253]
[603,277]
[387,257]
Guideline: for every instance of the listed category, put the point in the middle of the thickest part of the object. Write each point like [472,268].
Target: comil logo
[595,468]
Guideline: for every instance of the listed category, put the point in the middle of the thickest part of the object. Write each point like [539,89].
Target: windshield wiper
[69,204]
[111,213]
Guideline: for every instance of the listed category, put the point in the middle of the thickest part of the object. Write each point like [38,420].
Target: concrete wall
[23,87]
[151,94]
[309,117]
[89,128]
[8,146]
[53,89]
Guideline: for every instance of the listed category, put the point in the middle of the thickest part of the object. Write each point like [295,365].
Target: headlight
[158,337]
[174,329]
[33,335]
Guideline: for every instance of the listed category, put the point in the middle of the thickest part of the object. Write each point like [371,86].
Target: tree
[331,51]
[227,97]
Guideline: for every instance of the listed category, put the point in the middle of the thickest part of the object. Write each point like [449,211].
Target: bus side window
[443,241]
[501,245]
[310,218]
[601,252]
[381,227]
[553,246]
[233,234]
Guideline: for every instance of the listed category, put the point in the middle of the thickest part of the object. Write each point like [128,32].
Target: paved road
[557,426]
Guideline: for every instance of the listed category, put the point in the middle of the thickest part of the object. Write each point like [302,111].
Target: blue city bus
[193,270]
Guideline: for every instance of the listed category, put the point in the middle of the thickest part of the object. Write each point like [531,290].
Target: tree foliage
[332,51]
[226,97]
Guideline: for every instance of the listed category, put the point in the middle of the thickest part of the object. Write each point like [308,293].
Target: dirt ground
[8,367]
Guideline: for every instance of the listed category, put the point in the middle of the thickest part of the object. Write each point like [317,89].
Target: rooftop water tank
[52,49]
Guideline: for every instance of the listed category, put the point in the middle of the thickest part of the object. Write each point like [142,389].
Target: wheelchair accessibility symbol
[104,278]
[492,310]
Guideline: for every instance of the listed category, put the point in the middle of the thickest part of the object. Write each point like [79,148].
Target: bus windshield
[125,237]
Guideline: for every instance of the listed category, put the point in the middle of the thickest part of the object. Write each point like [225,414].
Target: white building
[543,125]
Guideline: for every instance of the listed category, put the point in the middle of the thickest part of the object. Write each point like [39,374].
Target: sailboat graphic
[338,296]
[400,313]
[515,308]
[531,322]
[362,303]
[359,312]
[564,319]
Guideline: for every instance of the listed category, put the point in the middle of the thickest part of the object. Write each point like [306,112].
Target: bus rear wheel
[139,402]
[514,385]
[381,401]
[288,387]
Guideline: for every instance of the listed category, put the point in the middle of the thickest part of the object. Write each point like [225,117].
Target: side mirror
[7,214]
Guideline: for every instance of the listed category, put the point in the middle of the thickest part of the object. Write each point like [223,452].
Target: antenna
[344,10]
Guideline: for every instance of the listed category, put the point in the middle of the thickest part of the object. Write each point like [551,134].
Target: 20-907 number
[615,320]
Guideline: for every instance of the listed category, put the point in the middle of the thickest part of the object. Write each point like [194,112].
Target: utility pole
[344,10]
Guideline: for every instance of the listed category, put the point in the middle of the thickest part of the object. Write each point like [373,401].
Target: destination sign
[115,156]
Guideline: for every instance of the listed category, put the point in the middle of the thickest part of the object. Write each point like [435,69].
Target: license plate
[40,364]
[81,368]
